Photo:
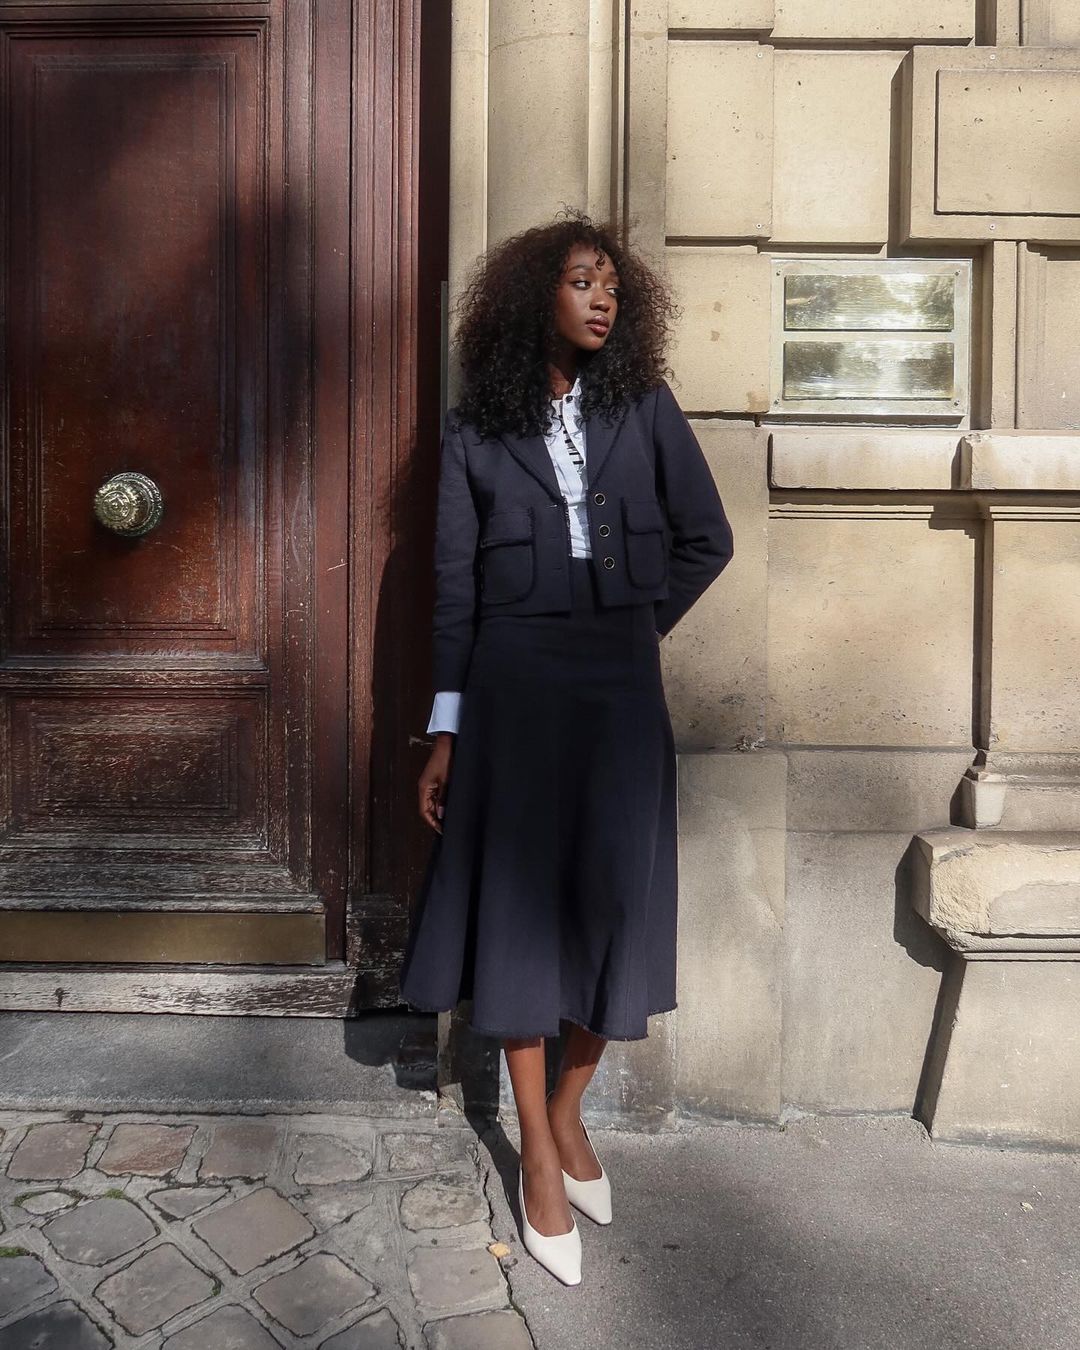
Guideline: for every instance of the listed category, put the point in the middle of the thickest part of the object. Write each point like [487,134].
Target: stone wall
[894,648]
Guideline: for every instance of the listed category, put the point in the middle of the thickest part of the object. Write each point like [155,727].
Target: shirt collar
[575,390]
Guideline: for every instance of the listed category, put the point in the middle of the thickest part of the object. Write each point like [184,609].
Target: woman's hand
[433,780]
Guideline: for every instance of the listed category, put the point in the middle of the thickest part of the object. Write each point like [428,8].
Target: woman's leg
[581,1055]
[541,1169]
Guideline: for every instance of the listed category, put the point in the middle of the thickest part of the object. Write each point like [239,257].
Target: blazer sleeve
[456,578]
[701,539]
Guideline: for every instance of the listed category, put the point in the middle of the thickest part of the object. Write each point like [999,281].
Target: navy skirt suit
[552,893]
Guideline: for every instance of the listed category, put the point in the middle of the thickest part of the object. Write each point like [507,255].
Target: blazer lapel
[531,453]
[601,431]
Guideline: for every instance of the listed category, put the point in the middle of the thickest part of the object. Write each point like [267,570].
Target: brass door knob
[129,504]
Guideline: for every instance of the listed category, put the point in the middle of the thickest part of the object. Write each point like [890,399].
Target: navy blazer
[502,535]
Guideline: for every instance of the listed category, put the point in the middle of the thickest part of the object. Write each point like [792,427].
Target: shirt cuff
[445,712]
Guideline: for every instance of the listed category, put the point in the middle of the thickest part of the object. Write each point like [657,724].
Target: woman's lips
[598,325]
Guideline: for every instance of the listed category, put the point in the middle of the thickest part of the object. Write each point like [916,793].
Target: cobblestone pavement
[213,1232]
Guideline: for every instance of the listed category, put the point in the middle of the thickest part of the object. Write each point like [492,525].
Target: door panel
[134,313]
[160,690]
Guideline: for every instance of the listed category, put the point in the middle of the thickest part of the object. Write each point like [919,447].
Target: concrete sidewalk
[834,1233]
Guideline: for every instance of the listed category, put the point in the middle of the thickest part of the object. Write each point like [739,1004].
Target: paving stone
[327,1208]
[252,1230]
[61,1326]
[502,1330]
[452,1279]
[319,1289]
[414,1151]
[99,1231]
[52,1151]
[325,1162]
[181,1202]
[377,1332]
[442,1203]
[148,1150]
[153,1288]
[241,1148]
[22,1280]
[47,1202]
[231,1328]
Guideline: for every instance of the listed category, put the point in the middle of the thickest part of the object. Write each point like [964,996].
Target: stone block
[253,1229]
[438,1203]
[62,1326]
[719,140]
[1034,628]
[99,1230]
[831,146]
[47,1202]
[720,354]
[871,616]
[231,1328]
[714,658]
[882,459]
[454,1279]
[1000,890]
[153,1288]
[883,789]
[53,1151]
[1047,391]
[320,1289]
[1017,791]
[1050,23]
[377,1332]
[1006,1066]
[241,1148]
[501,1330]
[731,911]
[147,1149]
[1007,460]
[328,1162]
[538,60]
[1005,142]
[416,1151]
[989,153]
[917,20]
[724,15]
[23,1280]
[862,974]
[183,1201]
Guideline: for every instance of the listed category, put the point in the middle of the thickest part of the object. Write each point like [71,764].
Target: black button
[604,531]
[609,563]
[599,498]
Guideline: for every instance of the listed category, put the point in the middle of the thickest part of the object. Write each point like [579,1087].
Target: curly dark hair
[506,327]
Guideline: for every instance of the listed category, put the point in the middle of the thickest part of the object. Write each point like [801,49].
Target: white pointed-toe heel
[558,1252]
[591,1197]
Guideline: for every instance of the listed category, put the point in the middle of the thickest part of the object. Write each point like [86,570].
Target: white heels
[558,1252]
[591,1197]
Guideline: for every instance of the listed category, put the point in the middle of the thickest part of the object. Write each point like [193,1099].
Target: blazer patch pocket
[646,545]
[507,556]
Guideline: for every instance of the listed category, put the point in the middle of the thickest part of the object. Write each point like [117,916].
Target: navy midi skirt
[551,893]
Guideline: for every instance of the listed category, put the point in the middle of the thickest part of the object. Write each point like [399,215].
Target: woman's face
[587,298]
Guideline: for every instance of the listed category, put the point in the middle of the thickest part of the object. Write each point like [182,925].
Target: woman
[577,522]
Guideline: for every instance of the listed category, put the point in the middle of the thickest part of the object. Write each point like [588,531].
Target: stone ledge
[1002,892]
[891,458]
[1020,460]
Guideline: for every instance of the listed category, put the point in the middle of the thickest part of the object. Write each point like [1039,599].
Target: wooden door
[185,734]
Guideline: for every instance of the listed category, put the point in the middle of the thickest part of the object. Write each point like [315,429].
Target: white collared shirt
[566,419]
